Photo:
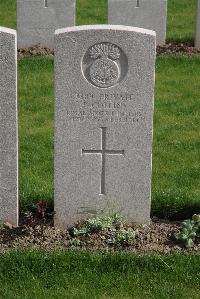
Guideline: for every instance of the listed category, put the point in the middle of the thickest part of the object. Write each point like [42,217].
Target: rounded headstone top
[8,30]
[106,27]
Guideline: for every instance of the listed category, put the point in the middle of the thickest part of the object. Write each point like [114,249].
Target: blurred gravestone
[148,14]
[8,127]
[104,80]
[37,20]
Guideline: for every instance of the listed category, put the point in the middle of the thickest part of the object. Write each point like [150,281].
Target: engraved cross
[45,3]
[137,3]
[103,152]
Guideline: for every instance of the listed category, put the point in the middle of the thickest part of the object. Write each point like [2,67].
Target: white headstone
[148,14]
[104,79]
[37,20]
[8,127]
[197,34]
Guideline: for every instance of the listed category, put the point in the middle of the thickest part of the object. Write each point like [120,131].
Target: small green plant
[112,225]
[123,236]
[75,242]
[97,224]
[190,231]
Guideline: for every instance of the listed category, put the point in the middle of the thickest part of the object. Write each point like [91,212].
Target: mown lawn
[81,275]
[180,25]
[175,184]
[176,145]
[181,20]
[176,181]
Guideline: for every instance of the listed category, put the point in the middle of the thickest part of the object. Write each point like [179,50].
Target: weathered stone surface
[149,14]
[37,20]
[197,34]
[104,80]
[8,127]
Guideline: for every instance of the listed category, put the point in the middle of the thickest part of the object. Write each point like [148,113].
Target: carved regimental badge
[104,65]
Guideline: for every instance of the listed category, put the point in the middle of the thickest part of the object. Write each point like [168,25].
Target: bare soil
[37,50]
[158,237]
[170,48]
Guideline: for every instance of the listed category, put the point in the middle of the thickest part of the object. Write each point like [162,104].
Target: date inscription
[106,108]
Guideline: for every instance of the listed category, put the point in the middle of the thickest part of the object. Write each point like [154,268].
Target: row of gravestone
[38,19]
[104,86]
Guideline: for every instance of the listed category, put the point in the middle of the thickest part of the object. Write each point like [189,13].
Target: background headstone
[37,20]
[197,34]
[8,127]
[148,14]
[104,78]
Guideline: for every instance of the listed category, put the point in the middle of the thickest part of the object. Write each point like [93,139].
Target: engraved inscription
[111,116]
[103,152]
[103,108]
[104,65]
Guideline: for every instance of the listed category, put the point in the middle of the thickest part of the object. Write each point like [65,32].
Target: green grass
[181,20]
[176,145]
[175,151]
[8,13]
[180,25]
[176,183]
[91,12]
[81,275]
[36,101]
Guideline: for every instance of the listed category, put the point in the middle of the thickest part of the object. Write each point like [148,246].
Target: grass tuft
[76,275]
